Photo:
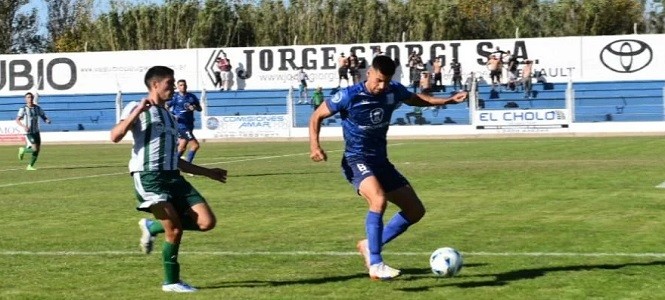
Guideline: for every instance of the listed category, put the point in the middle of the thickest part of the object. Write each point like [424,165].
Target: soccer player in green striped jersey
[31,112]
[155,167]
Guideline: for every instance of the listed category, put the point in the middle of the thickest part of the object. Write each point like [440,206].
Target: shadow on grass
[506,278]
[407,275]
[271,283]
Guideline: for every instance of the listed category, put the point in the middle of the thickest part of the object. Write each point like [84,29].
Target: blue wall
[595,102]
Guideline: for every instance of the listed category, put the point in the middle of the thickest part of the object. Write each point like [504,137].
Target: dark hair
[384,64]
[31,95]
[182,80]
[157,73]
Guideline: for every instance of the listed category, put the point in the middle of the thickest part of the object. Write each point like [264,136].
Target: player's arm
[19,120]
[429,100]
[120,130]
[316,153]
[212,173]
[196,104]
[43,116]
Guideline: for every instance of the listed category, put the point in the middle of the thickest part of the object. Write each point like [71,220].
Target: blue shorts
[390,179]
[186,134]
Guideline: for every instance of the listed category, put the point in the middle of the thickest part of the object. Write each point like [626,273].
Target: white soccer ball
[445,262]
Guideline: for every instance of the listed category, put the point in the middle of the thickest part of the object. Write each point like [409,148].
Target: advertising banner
[251,126]
[559,59]
[11,133]
[525,117]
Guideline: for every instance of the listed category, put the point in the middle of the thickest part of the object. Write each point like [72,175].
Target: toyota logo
[626,56]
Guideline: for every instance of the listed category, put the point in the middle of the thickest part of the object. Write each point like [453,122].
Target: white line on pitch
[205,164]
[335,253]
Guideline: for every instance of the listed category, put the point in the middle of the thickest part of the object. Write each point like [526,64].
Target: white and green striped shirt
[155,140]
[31,115]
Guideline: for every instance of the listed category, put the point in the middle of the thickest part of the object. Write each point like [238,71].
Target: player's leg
[36,145]
[399,192]
[183,140]
[29,139]
[371,190]
[368,186]
[196,213]
[193,148]
[168,216]
[411,211]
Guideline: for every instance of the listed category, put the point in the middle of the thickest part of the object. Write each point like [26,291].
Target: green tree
[19,31]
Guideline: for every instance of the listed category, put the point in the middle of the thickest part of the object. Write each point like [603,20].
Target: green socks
[155,227]
[171,265]
[35,154]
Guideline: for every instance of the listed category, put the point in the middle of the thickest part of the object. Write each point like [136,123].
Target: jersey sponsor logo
[376,115]
[626,56]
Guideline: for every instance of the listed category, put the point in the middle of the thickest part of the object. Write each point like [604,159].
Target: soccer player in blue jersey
[366,109]
[182,105]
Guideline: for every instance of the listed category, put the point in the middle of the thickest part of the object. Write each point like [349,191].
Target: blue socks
[190,156]
[377,235]
[374,229]
[397,225]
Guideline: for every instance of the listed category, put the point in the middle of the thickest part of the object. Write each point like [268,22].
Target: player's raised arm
[120,130]
[429,100]
[316,153]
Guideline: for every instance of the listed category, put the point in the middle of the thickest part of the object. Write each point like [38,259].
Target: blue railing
[594,102]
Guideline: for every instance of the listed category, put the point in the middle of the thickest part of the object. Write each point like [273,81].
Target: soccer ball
[445,262]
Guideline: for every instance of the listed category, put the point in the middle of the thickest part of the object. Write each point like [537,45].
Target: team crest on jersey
[376,115]
[390,99]
[336,98]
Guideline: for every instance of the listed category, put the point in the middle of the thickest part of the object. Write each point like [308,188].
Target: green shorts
[155,187]
[34,138]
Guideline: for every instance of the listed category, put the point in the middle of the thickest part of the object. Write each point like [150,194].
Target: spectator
[354,65]
[302,88]
[437,66]
[376,51]
[415,65]
[456,69]
[317,98]
[512,67]
[494,65]
[224,65]
[343,70]
[526,78]
[31,112]
[541,76]
[469,80]
[416,114]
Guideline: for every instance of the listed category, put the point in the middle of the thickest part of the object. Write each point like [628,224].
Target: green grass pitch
[536,218]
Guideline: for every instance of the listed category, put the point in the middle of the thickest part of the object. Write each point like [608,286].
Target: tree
[68,24]
[19,31]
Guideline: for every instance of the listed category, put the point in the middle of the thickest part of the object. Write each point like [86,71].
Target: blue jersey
[365,119]
[178,106]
